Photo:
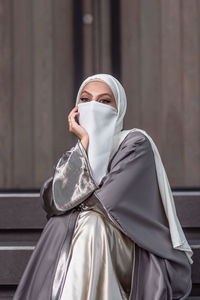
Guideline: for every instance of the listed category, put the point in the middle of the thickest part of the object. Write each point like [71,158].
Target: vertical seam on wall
[32,91]
[77,20]
[12,91]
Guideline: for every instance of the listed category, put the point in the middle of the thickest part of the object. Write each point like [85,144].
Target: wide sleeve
[70,184]
[130,194]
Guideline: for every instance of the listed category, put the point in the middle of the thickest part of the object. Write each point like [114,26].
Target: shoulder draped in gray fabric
[129,195]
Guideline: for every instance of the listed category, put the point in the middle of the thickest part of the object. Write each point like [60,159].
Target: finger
[72,111]
[71,124]
[72,119]
[73,115]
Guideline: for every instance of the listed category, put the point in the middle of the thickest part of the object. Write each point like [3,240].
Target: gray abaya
[128,199]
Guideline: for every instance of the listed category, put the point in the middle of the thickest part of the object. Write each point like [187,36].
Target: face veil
[103,124]
[99,120]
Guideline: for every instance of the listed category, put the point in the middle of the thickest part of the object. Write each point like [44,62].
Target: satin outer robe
[130,197]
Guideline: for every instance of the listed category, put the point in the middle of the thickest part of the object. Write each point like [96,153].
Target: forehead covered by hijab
[118,92]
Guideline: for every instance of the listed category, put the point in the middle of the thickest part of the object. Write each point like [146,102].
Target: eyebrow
[104,94]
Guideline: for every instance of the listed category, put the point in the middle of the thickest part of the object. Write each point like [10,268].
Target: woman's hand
[78,130]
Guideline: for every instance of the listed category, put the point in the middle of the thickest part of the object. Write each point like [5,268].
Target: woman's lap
[100,260]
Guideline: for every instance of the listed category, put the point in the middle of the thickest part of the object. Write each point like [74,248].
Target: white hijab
[178,239]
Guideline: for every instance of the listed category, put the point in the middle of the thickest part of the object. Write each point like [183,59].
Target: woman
[112,230]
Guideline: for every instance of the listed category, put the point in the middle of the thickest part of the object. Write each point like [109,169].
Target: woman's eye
[84,99]
[105,100]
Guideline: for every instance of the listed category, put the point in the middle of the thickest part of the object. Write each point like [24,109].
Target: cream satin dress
[100,260]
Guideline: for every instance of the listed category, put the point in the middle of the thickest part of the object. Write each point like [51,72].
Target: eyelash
[107,101]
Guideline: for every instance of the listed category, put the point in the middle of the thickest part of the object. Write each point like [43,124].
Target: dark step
[24,210]
[22,220]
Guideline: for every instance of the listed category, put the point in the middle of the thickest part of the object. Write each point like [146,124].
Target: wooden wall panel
[63,75]
[105,44]
[43,88]
[160,53]
[131,58]
[171,85]
[88,39]
[23,143]
[37,89]
[150,76]
[96,37]
[140,64]
[6,126]
[49,47]
[191,90]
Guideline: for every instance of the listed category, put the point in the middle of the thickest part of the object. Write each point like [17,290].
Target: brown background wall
[48,47]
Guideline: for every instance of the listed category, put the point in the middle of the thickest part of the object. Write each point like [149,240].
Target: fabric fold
[99,268]
[72,182]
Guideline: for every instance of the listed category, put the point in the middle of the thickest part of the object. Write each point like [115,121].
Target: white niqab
[178,239]
[99,120]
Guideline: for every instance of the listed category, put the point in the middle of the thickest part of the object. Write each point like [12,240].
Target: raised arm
[70,184]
